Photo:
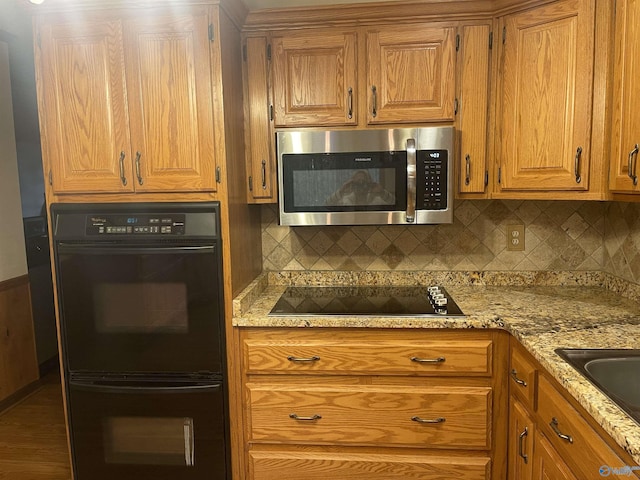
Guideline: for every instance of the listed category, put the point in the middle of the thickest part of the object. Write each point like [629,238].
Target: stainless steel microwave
[366,177]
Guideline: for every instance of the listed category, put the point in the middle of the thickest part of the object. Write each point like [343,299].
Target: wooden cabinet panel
[411,74]
[521,435]
[315,78]
[474,106]
[446,417]
[585,451]
[548,465]
[127,101]
[545,116]
[523,376]
[357,357]
[170,101]
[85,113]
[626,115]
[258,132]
[322,466]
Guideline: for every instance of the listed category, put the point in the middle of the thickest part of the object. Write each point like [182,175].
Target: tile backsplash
[559,235]
[622,241]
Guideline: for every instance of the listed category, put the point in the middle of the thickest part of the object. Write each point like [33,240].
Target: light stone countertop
[543,312]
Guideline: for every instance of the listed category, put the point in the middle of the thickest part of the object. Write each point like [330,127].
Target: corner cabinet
[550,436]
[372,404]
[126,100]
[545,92]
[625,138]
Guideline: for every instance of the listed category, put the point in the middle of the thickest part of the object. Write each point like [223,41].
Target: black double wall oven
[142,325]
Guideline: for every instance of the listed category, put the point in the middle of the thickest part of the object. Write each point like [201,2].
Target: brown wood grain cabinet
[550,436]
[374,404]
[625,139]
[545,98]
[409,72]
[259,133]
[127,100]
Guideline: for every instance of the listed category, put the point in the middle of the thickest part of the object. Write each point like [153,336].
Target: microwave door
[411,180]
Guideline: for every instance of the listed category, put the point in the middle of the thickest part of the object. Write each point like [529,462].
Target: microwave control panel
[431,179]
[156,224]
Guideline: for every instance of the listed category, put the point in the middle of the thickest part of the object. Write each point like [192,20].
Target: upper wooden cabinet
[319,77]
[126,101]
[625,139]
[411,74]
[546,97]
[314,76]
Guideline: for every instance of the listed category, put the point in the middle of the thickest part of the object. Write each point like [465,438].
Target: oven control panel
[156,224]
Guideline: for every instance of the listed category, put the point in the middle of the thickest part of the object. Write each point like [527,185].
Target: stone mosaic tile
[621,256]
[559,235]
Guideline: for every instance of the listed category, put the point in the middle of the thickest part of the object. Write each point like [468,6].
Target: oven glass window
[141,307]
[148,440]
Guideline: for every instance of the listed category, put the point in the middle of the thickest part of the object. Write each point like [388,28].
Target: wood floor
[33,442]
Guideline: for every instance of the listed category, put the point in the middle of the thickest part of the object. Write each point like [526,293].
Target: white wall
[13,258]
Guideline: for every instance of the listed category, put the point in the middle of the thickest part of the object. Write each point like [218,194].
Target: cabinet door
[474,105]
[546,97]
[315,78]
[169,89]
[521,433]
[626,117]
[411,74]
[258,131]
[548,465]
[83,105]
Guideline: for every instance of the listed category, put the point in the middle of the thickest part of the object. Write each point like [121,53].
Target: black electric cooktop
[407,301]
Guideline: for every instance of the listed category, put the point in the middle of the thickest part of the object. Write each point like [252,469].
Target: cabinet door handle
[576,165]
[123,179]
[428,420]
[428,360]
[305,419]
[374,106]
[291,358]
[633,161]
[350,102]
[524,456]
[138,174]
[467,169]
[264,174]
[554,425]
[514,375]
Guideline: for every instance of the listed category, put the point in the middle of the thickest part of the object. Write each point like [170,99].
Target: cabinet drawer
[322,466]
[445,417]
[345,356]
[586,451]
[523,377]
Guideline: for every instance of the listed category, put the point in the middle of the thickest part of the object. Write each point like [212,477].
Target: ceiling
[260,4]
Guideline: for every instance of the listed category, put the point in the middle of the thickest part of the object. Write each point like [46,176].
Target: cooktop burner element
[406,301]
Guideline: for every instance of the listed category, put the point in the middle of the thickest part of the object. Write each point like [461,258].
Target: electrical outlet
[515,237]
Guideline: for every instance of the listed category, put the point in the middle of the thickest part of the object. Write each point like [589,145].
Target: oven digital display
[156,224]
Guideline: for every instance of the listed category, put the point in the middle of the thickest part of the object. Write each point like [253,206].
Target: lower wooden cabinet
[282,465]
[548,464]
[374,404]
[549,437]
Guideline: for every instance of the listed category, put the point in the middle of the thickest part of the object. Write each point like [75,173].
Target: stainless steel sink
[615,372]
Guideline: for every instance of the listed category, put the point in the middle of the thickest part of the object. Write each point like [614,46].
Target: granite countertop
[544,311]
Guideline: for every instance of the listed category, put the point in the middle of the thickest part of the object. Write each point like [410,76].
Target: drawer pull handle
[305,419]
[514,375]
[428,360]
[291,358]
[554,425]
[428,420]
[524,456]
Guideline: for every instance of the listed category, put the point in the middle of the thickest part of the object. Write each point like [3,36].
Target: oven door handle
[131,249]
[114,387]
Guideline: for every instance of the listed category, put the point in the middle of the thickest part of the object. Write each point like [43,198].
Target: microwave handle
[411,180]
